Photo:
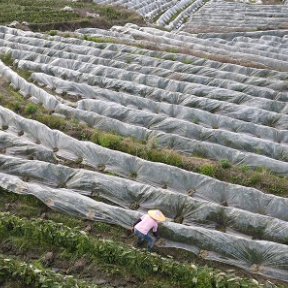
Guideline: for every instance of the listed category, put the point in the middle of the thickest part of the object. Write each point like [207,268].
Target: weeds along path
[164,92]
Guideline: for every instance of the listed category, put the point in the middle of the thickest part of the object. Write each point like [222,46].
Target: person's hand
[132,229]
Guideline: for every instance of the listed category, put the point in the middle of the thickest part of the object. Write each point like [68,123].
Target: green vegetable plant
[113,255]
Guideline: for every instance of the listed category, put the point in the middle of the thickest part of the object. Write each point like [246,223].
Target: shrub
[95,138]
[51,121]
[172,57]
[244,168]
[179,219]
[79,160]
[26,74]
[187,61]
[208,169]
[133,174]
[31,109]
[7,59]
[225,163]
[110,141]
[195,121]
[174,159]
[85,134]
[199,155]
[260,169]
[98,39]
[274,189]
[255,178]
[15,106]
[157,156]
[111,13]
[143,151]
[53,33]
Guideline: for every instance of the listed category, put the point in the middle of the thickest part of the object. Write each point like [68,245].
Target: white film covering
[226,16]
[176,100]
[198,16]
[233,228]
[191,113]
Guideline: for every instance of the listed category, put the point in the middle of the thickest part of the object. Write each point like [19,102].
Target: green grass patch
[30,109]
[48,15]
[208,169]
[7,59]
[15,273]
[225,163]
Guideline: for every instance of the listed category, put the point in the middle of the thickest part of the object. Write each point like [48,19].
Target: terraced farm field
[105,124]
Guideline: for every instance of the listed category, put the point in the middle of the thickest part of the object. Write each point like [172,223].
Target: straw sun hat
[157,215]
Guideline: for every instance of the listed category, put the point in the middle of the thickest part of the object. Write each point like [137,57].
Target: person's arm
[155,231]
[137,221]
[156,234]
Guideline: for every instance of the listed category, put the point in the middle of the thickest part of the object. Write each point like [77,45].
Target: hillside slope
[101,123]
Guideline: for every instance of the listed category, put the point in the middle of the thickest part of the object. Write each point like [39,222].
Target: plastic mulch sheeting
[214,16]
[185,103]
[223,16]
[149,9]
[253,53]
[212,117]
[267,258]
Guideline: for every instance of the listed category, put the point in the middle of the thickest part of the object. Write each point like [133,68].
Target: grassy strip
[43,15]
[21,274]
[222,170]
[173,17]
[138,262]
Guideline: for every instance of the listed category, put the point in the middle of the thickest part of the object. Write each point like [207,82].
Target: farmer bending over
[143,225]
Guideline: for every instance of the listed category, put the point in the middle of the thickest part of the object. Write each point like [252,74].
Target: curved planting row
[263,257]
[166,99]
[163,12]
[223,16]
[27,274]
[218,48]
[127,194]
[264,82]
[186,134]
[54,146]
[178,14]
[214,16]
[138,263]
[141,7]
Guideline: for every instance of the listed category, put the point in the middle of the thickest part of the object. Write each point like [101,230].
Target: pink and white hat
[157,215]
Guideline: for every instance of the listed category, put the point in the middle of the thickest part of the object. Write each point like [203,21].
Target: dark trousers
[142,238]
